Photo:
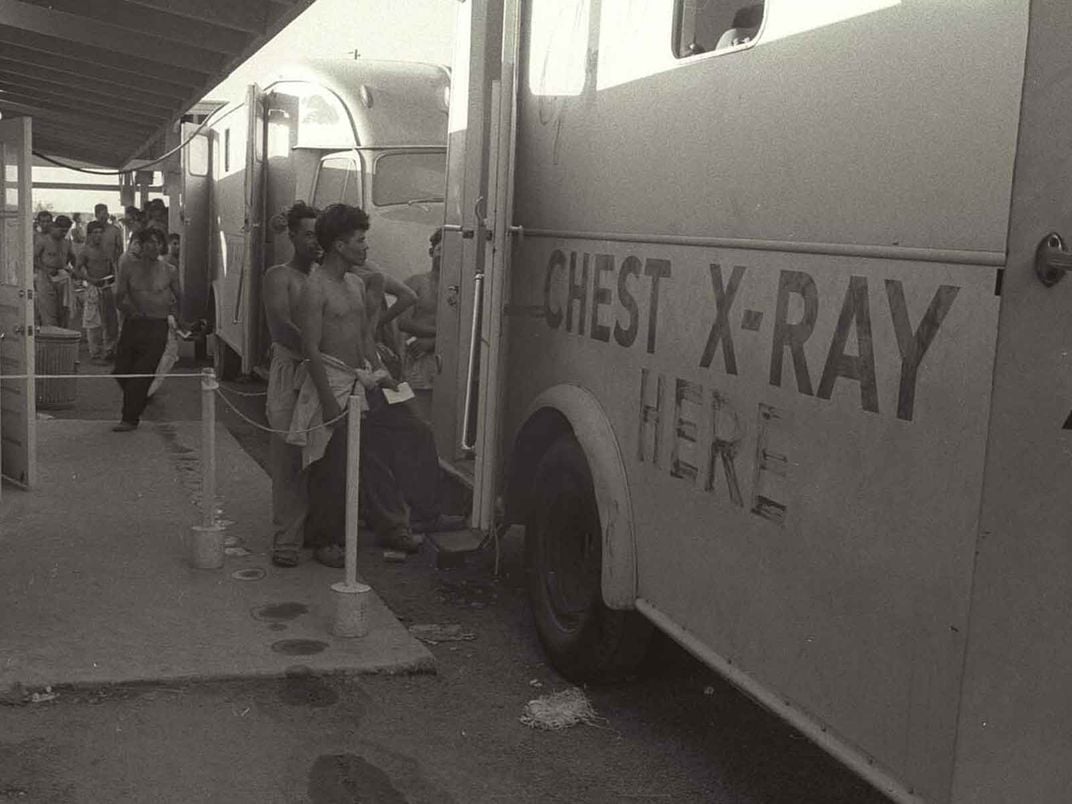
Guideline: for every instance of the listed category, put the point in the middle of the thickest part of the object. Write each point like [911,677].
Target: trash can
[56,352]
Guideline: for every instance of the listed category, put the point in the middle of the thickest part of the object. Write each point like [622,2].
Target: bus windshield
[408,178]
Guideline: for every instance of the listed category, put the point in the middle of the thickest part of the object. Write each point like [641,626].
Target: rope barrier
[218,389]
[244,393]
[90,376]
[266,429]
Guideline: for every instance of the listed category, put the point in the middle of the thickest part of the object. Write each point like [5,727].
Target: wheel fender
[594,433]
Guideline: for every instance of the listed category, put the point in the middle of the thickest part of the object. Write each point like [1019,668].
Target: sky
[406,30]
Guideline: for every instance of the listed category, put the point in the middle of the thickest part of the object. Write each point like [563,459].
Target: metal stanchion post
[208,446]
[207,541]
[351,597]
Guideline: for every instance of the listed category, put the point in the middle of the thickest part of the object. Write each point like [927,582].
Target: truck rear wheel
[584,639]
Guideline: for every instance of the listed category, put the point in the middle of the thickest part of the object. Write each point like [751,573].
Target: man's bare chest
[149,279]
[344,301]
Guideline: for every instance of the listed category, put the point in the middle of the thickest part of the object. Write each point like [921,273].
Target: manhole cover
[252,574]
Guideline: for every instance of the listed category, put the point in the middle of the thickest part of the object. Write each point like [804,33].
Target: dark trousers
[399,473]
[141,343]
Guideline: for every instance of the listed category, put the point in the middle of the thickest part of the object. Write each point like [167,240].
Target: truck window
[703,26]
[337,182]
[560,37]
[409,177]
[197,155]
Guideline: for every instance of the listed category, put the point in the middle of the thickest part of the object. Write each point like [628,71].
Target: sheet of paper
[403,393]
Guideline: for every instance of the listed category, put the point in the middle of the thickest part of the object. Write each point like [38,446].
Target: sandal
[285,558]
[331,556]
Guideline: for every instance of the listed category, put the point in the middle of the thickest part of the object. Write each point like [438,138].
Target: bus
[753,319]
[364,132]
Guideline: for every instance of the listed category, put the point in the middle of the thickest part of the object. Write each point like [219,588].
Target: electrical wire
[158,160]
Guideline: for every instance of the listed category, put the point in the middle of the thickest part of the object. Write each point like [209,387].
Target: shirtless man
[337,326]
[96,264]
[419,324]
[53,258]
[147,292]
[282,289]
[399,465]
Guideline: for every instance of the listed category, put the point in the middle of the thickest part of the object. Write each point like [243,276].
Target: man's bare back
[283,287]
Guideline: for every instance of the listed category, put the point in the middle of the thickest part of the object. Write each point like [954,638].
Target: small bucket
[206,546]
[351,610]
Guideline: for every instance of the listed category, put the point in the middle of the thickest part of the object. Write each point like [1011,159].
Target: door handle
[1052,259]
[468,444]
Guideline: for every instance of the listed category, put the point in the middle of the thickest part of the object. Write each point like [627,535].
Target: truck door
[18,435]
[253,227]
[1013,740]
[476,63]
[241,240]
[194,216]
[488,363]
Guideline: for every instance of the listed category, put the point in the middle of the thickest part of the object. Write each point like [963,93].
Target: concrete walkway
[96,585]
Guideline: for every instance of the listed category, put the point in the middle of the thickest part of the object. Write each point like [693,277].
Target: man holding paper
[399,467]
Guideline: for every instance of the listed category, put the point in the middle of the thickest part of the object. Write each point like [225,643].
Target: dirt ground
[674,733]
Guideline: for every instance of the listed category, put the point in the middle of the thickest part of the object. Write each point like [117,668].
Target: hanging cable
[158,160]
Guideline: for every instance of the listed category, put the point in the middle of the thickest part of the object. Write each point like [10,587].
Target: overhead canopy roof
[104,79]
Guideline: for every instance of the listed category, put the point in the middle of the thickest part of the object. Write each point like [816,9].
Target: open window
[705,26]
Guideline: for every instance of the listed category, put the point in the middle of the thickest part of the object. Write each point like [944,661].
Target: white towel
[343,380]
[284,383]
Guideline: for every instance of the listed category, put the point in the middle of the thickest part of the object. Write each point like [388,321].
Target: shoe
[403,539]
[125,427]
[285,558]
[441,524]
[331,556]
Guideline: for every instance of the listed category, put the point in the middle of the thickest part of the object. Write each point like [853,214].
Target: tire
[585,640]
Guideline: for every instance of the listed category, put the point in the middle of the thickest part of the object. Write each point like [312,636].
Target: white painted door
[497,252]
[196,201]
[17,411]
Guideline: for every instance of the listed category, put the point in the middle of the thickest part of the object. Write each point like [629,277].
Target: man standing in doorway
[282,289]
[147,293]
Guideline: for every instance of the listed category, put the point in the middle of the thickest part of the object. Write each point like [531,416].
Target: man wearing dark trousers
[147,293]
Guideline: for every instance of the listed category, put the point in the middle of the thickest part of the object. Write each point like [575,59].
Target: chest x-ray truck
[764,336]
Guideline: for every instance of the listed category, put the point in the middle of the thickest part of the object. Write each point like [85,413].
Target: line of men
[328,315]
[132,296]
